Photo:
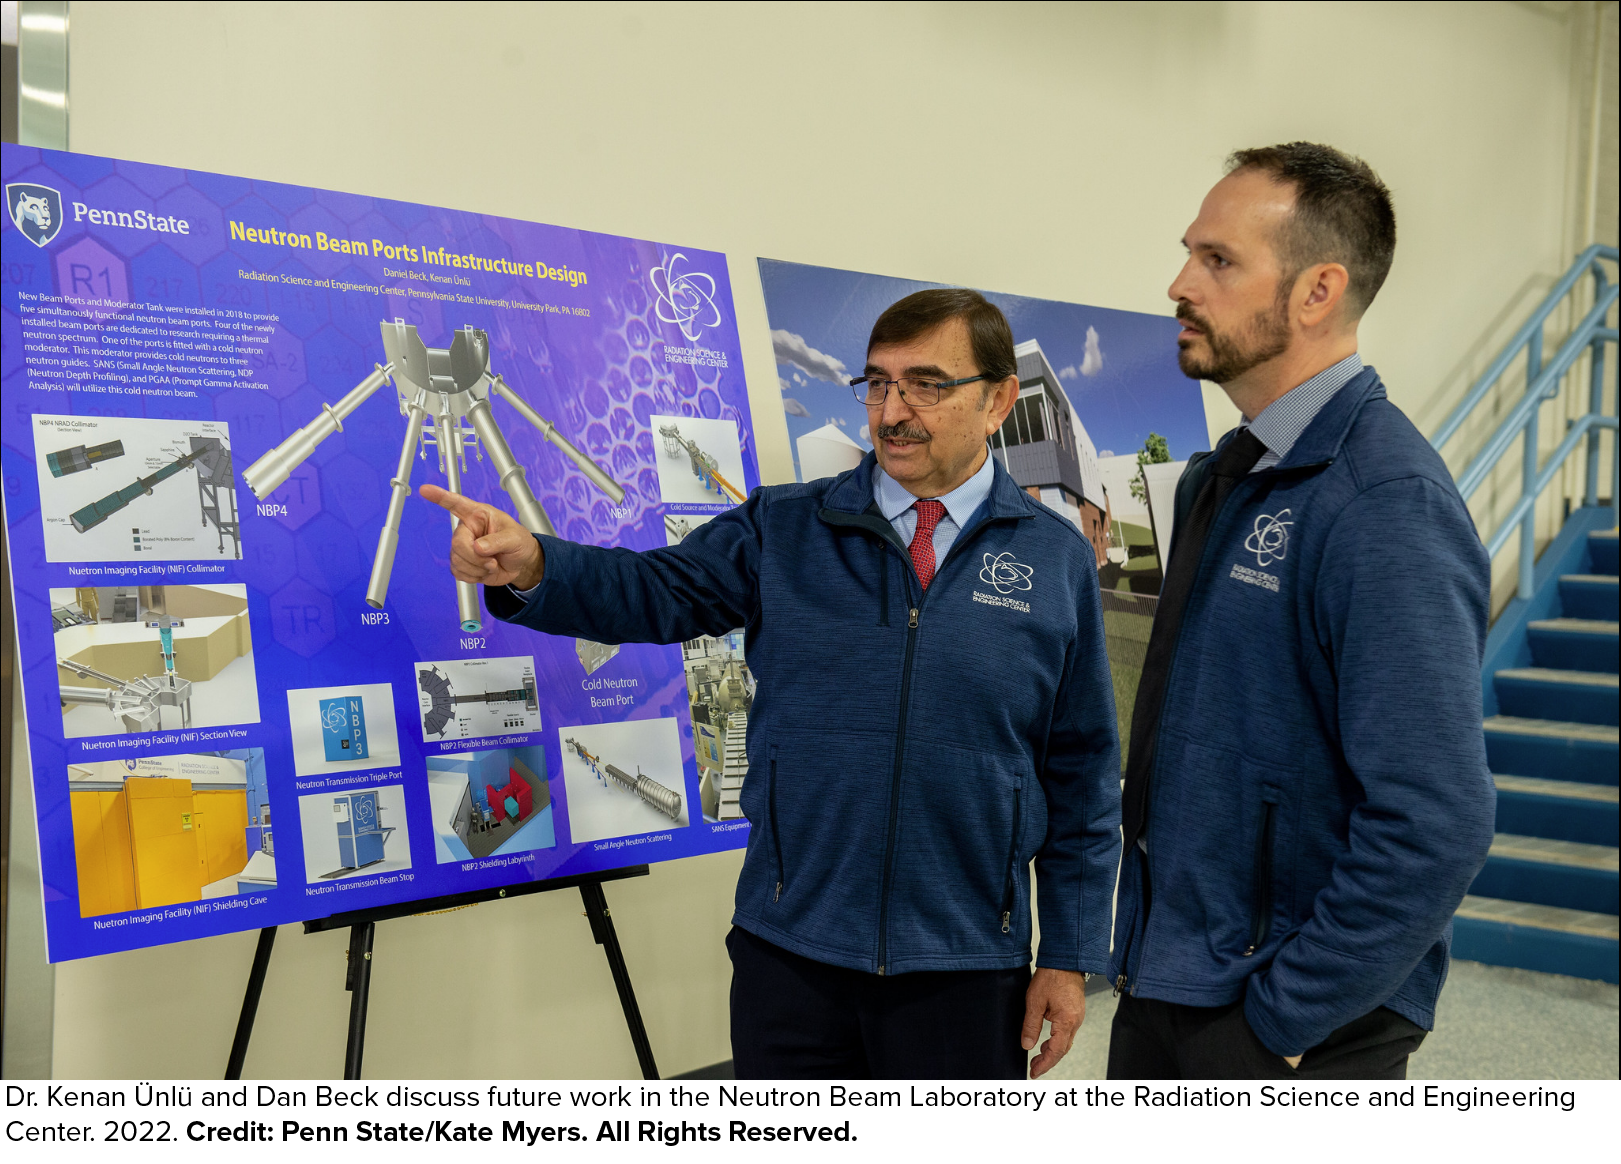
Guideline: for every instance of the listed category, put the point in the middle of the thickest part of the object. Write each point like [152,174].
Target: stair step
[1574,644]
[1596,596]
[1553,749]
[1601,546]
[1563,809]
[1566,874]
[1548,693]
[1537,937]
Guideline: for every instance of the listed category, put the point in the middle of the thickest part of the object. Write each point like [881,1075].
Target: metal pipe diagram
[703,465]
[663,799]
[79,458]
[438,389]
[139,703]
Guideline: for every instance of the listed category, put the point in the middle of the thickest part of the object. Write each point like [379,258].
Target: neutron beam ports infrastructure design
[441,392]
[651,791]
[216,486]
[436,720]
[704,466]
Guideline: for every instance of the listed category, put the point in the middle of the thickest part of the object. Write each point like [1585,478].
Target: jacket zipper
[776,837]
[1261,901]
[895,791]
[883,529]
[1012,856]
[1132,957]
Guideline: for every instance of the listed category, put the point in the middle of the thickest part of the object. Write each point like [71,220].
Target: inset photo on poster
[354,833]
[700,461]
[623,779]
[153,658]
[720,692]
[462,698]
[121,489]
[678,525]
[165,830]
[490,802]
[343,729]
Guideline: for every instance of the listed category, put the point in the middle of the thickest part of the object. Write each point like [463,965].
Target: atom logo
[1270,540]
[686,299]
[1002,572]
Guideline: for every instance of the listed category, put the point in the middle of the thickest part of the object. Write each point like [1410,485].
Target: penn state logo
[35,210]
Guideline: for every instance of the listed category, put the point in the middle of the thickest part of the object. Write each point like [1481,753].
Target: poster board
[247,701]
[1104,422]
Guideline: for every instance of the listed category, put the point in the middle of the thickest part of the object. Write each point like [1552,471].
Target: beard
[1264,337]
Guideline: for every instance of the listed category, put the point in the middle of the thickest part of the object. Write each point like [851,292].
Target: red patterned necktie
[929,514]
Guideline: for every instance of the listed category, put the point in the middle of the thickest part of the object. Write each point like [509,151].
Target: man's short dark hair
[1342,214]
[922,311]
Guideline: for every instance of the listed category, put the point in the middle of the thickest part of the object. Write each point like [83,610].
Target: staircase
[1547,898]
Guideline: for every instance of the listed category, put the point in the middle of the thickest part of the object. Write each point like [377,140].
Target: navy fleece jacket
[1319,801]
[909,752]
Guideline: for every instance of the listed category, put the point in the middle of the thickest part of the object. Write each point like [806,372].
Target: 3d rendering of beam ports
[651,791]
[79,458]
[703,464]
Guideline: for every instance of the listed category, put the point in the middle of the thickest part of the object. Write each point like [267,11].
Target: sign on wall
[220,395]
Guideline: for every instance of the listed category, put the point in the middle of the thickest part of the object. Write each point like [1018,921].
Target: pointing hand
[488,548]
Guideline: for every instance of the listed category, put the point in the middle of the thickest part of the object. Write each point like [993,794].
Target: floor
[1492,1022]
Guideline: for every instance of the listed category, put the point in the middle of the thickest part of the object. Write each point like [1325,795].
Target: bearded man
[1307,798]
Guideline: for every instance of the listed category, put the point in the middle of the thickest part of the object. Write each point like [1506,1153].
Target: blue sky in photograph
[1131,385]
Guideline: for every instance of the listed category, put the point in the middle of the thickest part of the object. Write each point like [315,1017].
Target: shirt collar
[1280,423]
[893,499]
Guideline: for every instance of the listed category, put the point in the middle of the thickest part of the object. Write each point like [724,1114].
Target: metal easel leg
[250,1003]
[602,929]
[358,984]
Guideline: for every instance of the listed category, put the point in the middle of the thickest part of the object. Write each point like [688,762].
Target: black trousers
[1151,1039]
[796,1018]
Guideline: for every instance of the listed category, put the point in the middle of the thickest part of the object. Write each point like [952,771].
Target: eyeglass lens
[913,391]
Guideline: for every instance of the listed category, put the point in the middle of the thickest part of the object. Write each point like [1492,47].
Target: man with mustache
[933,710]
[1307,798]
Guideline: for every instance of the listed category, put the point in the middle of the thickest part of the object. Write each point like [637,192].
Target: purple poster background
[255,316]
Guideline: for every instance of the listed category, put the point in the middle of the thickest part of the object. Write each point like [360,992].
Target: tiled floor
[1492,1023]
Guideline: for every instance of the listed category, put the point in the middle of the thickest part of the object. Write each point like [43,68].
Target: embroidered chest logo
[1004,573]
[1269,541]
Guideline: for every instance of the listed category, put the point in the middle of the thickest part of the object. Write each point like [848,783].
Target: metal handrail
[1543,383]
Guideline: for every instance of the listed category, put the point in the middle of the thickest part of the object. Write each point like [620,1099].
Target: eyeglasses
[918,393]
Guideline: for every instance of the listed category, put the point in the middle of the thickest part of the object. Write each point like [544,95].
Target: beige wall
[1047,150]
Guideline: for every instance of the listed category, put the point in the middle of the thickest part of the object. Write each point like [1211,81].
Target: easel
[362,926]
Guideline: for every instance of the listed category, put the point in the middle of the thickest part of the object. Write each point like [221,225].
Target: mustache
[903,432]
[1186,314]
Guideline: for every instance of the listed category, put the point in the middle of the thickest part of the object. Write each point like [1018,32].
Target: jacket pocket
[1010,885]
[1261,891]
[776,835]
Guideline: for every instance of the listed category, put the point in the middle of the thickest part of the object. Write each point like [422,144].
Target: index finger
[454,502]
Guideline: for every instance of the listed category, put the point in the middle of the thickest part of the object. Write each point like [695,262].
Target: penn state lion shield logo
[35,210]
